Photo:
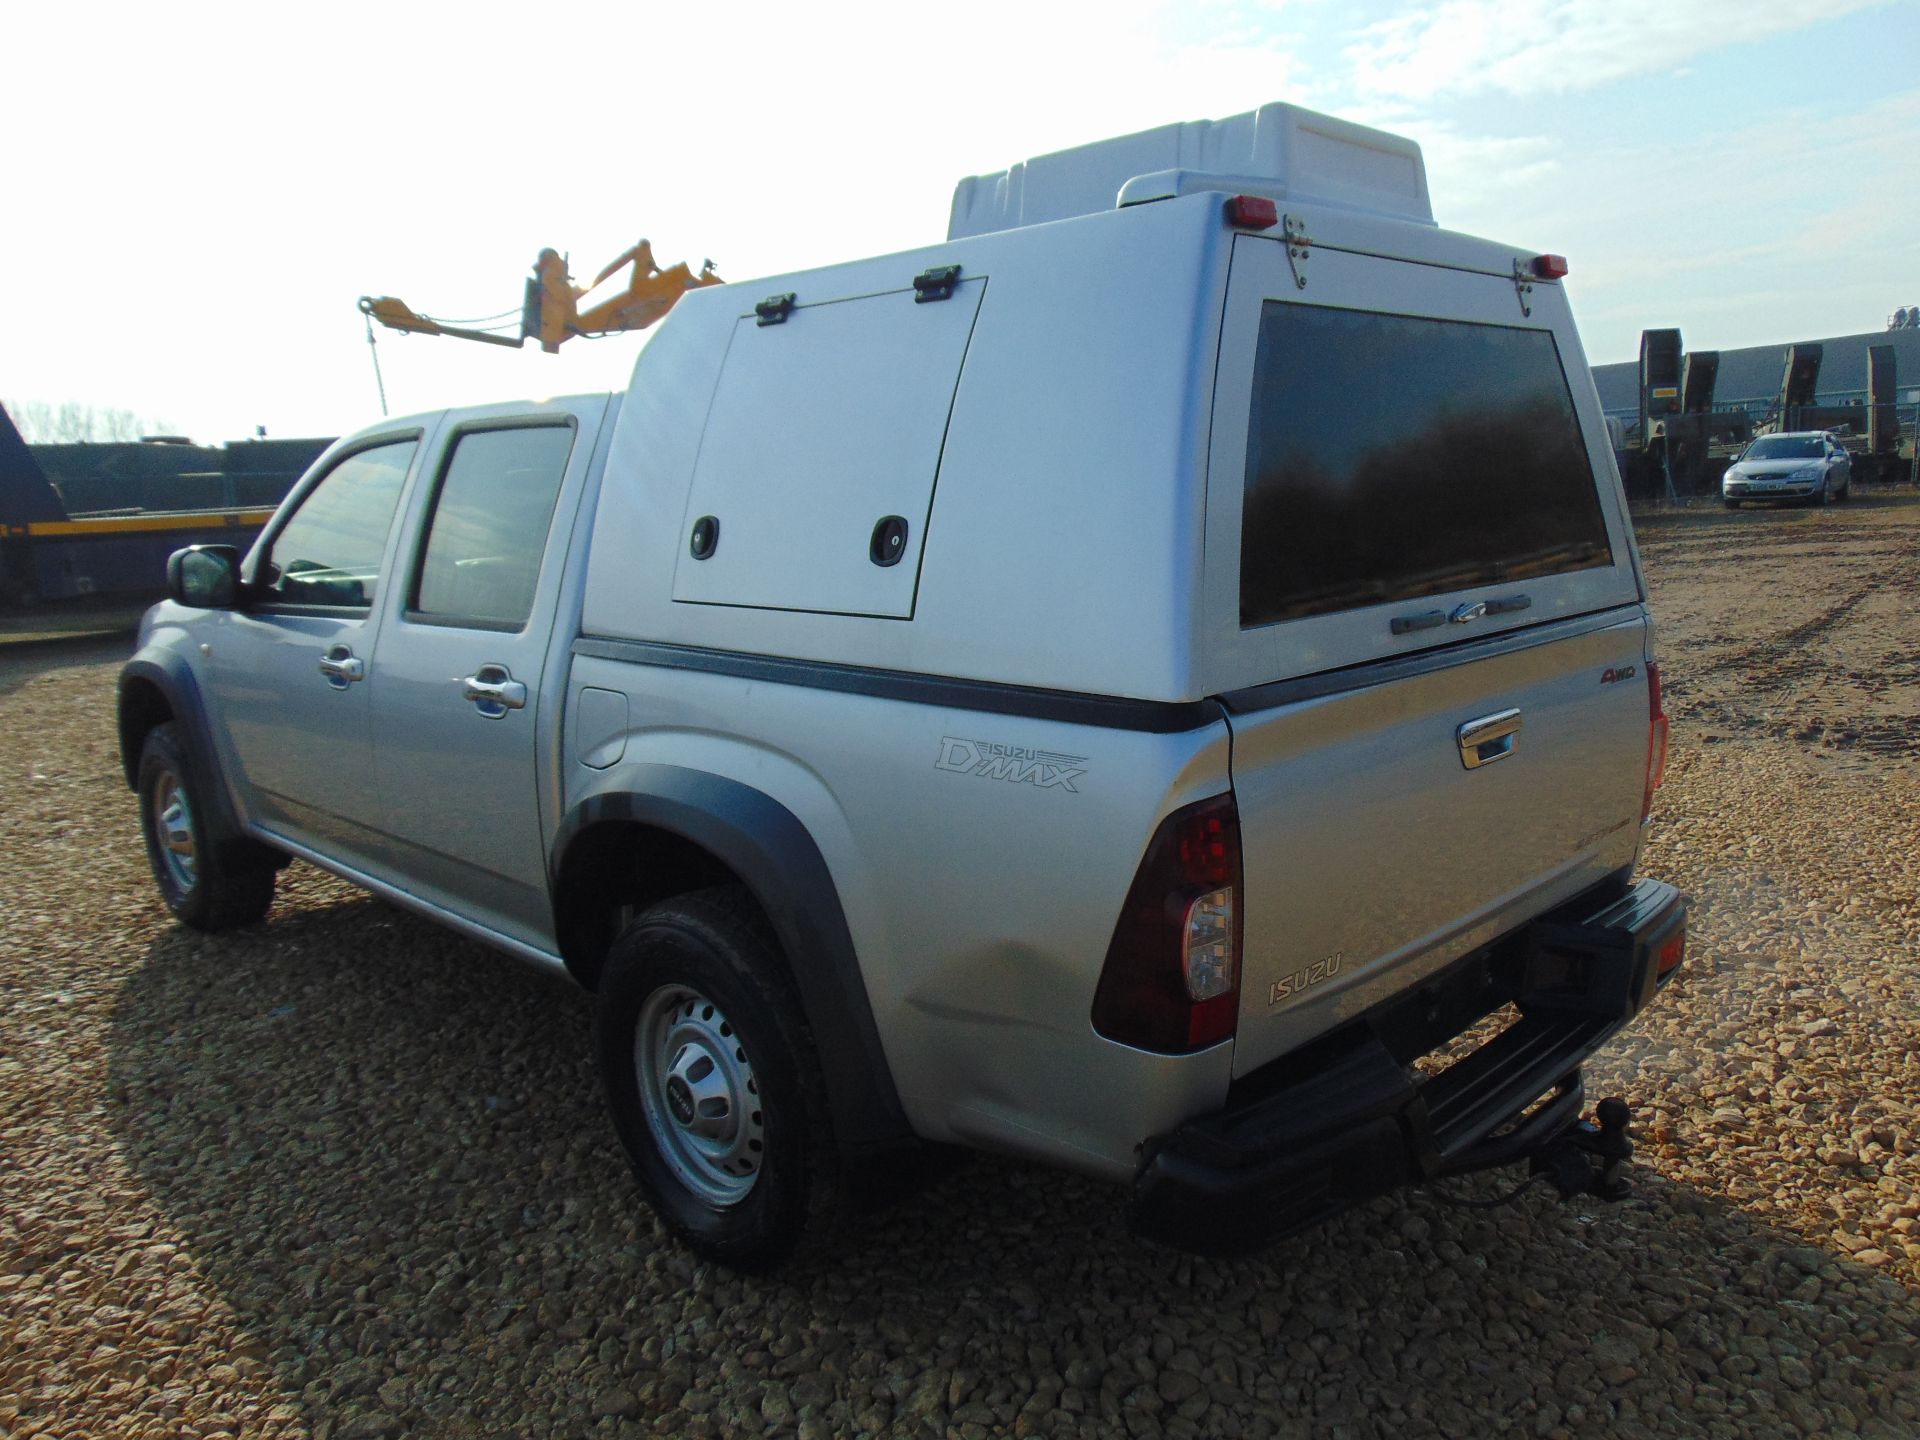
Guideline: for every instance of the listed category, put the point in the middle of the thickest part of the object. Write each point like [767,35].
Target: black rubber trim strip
[1276,693]
[1156,717]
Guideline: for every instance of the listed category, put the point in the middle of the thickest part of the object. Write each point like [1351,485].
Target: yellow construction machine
[551,313]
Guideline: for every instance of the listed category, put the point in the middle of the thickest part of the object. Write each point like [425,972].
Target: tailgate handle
[1488,739]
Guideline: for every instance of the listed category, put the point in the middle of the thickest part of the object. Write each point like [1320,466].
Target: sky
[197,194]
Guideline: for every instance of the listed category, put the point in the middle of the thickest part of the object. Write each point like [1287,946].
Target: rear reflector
[1252,212]
[1672,951]
[1171,981]
[1550,267]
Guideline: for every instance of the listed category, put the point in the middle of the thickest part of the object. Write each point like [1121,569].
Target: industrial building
[1750,378]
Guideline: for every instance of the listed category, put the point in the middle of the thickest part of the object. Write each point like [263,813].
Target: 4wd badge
[1040,768]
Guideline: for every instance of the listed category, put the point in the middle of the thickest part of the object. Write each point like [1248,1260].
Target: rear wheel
[709,1070]
[206,884]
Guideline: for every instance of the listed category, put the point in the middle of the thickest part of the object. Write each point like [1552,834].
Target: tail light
[1171,981]
[1656,742]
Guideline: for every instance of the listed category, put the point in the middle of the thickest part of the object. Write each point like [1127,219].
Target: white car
[1804,465]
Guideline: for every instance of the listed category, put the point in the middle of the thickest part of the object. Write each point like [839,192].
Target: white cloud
[1540,47]
[1676,232]
[216,183]
[1466,172]
[210,185]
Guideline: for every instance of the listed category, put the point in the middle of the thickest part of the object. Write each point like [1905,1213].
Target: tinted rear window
[1392,457]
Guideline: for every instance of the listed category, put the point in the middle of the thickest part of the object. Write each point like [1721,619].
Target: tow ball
[1588,1157]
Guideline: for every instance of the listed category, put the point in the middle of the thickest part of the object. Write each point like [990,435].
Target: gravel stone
[345,1174]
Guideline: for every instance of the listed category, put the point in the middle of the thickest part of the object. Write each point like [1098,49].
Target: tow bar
[1588,1157]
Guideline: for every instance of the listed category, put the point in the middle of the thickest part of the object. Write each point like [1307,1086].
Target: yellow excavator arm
[551,313]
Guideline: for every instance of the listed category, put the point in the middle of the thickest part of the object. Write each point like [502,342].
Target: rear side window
[1392,457]
[328,552]
[489,526]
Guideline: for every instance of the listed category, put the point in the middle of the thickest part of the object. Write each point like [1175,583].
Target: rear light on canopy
[1252,212]
[1171,981]
[1550,267]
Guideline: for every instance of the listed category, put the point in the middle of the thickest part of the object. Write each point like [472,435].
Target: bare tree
[43,422]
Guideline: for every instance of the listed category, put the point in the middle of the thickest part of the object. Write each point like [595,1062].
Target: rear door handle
[340,667]
[494,691]
[1488,739]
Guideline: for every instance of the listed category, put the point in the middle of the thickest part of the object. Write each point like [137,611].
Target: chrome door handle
[341,668]
[1488,739]
[494,691]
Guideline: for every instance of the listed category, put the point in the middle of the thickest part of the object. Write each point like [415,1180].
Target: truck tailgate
[1373,854]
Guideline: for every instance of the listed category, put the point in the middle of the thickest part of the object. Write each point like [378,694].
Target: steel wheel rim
[173,830]
[700,1095]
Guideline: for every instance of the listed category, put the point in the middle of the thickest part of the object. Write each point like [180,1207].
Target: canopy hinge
[1298,246]
[935,283]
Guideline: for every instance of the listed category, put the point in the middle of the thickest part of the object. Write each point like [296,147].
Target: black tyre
[1732,504]
[710,1072]
[207,883]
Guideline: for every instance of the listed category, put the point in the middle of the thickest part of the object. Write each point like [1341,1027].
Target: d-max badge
[1040,768]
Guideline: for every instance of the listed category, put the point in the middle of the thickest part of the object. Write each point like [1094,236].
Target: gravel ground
[345,1175]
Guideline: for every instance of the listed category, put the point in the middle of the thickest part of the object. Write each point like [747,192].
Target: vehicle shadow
[384,1148]
[25,658]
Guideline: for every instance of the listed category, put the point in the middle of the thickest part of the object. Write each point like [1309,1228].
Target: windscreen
[1391,457]
[1785,447]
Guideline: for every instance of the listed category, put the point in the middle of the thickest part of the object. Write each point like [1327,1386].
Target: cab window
[329,552]
[488,529]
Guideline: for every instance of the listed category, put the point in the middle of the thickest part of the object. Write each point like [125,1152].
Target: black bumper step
[1486,1088]
[1355,1123]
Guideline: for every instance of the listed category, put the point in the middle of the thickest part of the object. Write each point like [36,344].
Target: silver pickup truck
[1118,687]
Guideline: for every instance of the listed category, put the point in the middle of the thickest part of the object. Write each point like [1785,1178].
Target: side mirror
[207,577]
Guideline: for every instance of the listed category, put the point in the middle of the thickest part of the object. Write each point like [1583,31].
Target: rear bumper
[1316,1133]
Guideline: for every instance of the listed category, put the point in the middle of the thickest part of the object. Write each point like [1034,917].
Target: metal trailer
[1683,443]
[51,553]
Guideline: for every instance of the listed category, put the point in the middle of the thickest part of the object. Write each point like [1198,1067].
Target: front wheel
[204,884]
[709,1070]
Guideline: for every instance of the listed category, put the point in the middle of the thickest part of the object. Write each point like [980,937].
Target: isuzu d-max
[1118,686]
